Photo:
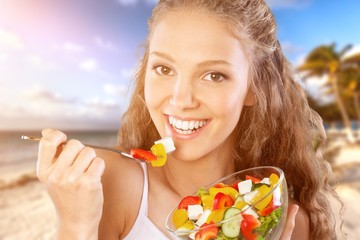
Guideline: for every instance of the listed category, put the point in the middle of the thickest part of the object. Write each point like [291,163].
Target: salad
[157,155]
[247,209]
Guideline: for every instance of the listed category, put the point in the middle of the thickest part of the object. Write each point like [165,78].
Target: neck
[186,177]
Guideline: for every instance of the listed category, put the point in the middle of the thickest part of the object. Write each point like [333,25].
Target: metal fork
[125,154]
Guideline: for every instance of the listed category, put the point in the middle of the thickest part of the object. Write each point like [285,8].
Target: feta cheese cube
[195,211]
[250,211]
[266,181]
[168,144]
[245,186]
[249,196]
[203,218]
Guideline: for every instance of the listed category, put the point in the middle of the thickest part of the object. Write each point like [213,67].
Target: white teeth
[185,127]
[192,124]
[178,124]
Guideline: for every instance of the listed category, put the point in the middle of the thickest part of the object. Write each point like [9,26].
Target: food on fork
[157,155]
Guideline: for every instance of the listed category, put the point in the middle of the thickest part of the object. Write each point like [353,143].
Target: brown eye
[163,70]
[215,77]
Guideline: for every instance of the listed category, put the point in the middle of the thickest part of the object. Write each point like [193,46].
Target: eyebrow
[201,64]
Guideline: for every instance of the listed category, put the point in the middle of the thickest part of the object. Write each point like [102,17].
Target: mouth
[186,127]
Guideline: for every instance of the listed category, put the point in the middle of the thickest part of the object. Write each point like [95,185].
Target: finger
[48,148]
[83,161]
[68,155]
[290,222]
[96,167]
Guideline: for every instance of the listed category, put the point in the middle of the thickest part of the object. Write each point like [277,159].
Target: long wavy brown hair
[279,129]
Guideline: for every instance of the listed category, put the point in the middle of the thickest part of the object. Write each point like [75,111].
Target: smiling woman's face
[196,81]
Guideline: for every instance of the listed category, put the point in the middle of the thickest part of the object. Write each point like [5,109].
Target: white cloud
[72,47]
[290,48]
[38,93]
[89,64]
[354,50]
[127,73]
[39,63]
[316,87]
[10,41]
[115,90]
[3,57]
[289,3]
[106,45]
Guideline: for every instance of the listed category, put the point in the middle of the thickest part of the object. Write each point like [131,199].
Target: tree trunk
[341,105]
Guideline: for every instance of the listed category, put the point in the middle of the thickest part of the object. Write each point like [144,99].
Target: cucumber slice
[231,228]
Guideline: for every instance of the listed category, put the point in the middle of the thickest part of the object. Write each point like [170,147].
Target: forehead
[195,32]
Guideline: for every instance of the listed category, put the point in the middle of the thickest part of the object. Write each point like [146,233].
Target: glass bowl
[249,204]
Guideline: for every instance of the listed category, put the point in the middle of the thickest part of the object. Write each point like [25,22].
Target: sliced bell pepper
[269,209]
[222,200]
[188,225]
[216,215]
[159,151]
[207,233]
[247,226]
[220,185]
[207,201]
[227,190]
[179,217]
[142,154]
[189,200]
[262,191]
[253,179]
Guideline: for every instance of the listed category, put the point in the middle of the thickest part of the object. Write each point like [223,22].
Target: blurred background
[69,64]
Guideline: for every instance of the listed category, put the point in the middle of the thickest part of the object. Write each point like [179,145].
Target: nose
[183,95]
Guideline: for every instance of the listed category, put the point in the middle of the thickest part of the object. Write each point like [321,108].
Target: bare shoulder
[302,223]
[122,187]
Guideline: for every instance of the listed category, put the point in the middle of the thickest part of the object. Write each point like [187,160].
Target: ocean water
[18,155]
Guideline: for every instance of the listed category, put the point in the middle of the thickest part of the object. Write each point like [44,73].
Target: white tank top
[144,228]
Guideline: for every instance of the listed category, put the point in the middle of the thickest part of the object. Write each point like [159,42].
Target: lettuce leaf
[269,221]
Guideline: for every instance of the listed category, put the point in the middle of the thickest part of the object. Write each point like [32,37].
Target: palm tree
[349,78]
[326,60]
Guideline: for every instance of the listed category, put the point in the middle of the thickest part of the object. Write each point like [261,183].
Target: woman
[213,77]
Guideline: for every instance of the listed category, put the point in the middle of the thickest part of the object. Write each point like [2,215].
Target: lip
[175,134]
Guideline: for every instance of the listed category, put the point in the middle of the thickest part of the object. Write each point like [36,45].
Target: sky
[68,64]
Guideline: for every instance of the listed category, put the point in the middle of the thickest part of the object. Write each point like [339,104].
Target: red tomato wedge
[248,224]
[253,179]
[207,233]
[189,200]
[142,154]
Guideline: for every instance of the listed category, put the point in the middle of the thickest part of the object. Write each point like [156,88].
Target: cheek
[229,106]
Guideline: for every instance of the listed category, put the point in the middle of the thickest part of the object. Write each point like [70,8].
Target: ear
[249,99]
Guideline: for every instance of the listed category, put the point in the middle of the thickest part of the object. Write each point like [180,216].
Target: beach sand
[26,211]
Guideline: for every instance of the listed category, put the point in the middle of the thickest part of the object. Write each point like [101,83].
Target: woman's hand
[71,175]
[290,222]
